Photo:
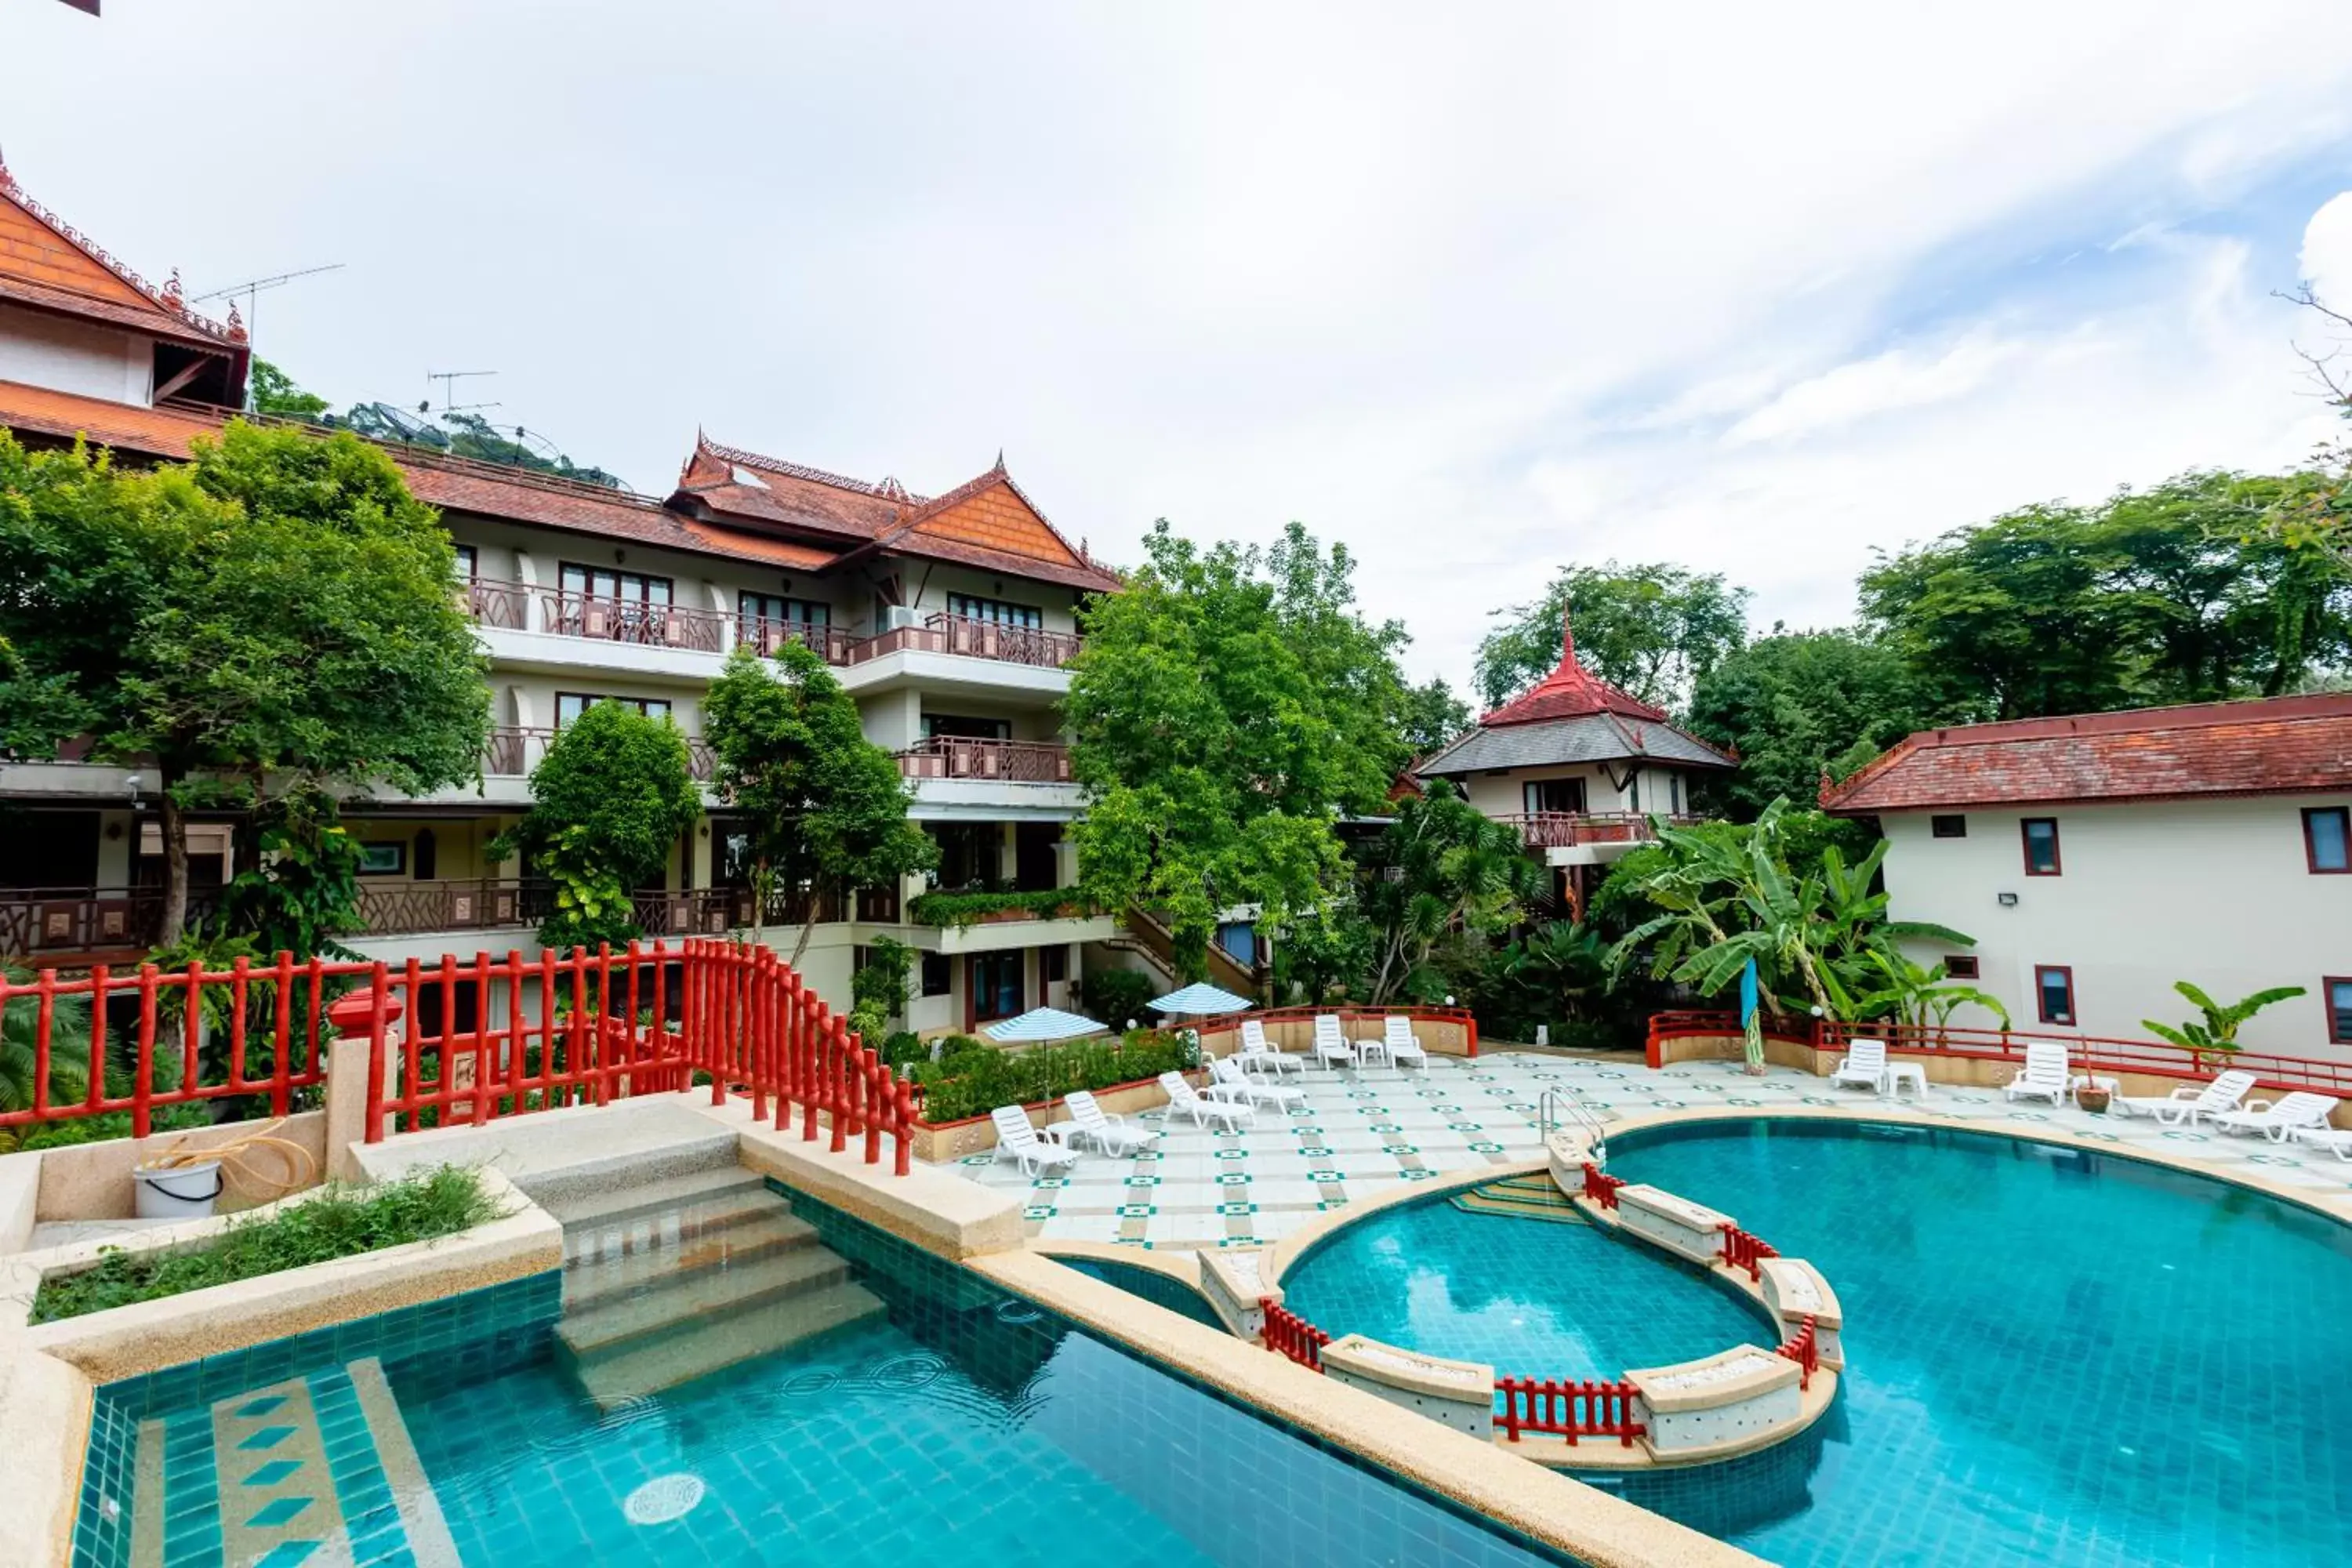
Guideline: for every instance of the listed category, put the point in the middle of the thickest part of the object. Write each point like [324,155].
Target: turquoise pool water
[969,1423]
[1531,1298]
[2056,1357]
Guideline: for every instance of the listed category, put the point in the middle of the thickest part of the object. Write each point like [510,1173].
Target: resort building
[2098,858]
[951,619]
[1579,766]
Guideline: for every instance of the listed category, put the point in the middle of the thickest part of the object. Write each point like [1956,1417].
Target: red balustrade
[1743,1250]
[1804,1348]
[1600,1187]
[1568,1409]
[1287,1333]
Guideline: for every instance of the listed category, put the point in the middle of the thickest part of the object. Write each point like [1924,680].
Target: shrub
[1114,995]
[341,1222]
[974,1082]
[961,910]
[904,1046]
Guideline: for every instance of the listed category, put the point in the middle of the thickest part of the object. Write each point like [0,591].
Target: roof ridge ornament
[171,292]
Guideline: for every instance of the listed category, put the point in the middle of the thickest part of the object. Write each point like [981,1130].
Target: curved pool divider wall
[72,1393]
[1456,1393]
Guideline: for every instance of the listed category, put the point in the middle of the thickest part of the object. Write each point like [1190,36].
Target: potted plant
[2091,1098]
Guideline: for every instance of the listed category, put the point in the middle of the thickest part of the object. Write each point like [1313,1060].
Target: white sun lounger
[1864,1063]
[2277,1122]
[1258,1054]
[2335,1141]
[1331,1047]
[1016,1137]
[1226,1073]
[1112,1135]
[1401,1043]
[2186,1104]
[1182,1097]
[2045,1075]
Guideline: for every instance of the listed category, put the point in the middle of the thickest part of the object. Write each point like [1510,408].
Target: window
[995,610]
[1633,791]
[2054,993]
[2339,992]
[765,619]
[625,587]
[1053,965]
[1674,794]
[996,986]
[1947,825]
[2040,846]
[2327,840]
[1564,796]
[938,974]
[569,705]
[1963,966]
[469,564]
[961,728]
[383,859]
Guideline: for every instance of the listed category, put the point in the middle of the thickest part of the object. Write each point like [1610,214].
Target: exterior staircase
[1535,1196]
[674,1279]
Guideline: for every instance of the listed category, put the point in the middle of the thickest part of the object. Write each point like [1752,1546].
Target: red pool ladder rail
[1569,1410]
[1288,1333]
[1600,1187]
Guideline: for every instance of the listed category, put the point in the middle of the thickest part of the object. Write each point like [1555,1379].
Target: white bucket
[177,1191]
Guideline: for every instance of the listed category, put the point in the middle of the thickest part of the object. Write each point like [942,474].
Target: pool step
[1534,1196]
[650,1365]
[679,1277]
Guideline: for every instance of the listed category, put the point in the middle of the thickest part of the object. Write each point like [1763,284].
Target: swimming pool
[2053,1356]
[1530,1298]
[970,1419]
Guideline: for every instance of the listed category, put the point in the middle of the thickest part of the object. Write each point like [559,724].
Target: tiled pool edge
[1522,1498]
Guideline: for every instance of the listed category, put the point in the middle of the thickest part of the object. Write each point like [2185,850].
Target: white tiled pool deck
[1361,1132]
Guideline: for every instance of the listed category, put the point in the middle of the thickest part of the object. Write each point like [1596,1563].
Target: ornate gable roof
[1570,691]
[47,264]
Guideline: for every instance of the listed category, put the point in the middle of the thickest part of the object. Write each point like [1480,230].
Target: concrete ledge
[1586,1524]
[1681,1226]
[149,1336]
[1741,1397]
[1795,1291]
[1238,1283]
[1459,1394]
[559,1153]
[44,1413]
[934,1209]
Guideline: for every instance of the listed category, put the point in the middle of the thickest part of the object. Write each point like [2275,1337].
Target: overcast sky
[1477,289]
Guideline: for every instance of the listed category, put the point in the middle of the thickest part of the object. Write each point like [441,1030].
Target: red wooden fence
[1743,1250]
[1287,1333]
[1567,1409]
[1804,1348]
[1600,1187]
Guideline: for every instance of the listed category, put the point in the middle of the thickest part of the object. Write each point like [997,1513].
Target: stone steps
[651,1364]
[1522,1197]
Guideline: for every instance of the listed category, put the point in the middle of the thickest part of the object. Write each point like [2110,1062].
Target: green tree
[1442,867]
[1227,708]
[825,808]
[275,613]
[1323,953]
[1651,629]
[608,802]
[1795,703]
[1432,716]
[269,390]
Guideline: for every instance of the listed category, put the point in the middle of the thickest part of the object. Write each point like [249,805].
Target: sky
[1479,291]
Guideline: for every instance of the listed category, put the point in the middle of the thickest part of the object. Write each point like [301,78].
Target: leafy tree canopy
[1227,709]
[2178,593]
[1795,703]
[1652,630]
[1440,868]
[1430,717]
[825,807]
[271,391]
[608,801]
[278,611]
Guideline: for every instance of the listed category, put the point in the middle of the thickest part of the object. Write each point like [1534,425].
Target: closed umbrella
[1042,1024]
[1202,1001]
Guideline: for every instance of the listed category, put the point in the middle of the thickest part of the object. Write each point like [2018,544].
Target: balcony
[53,923]
[515,750]
[969,638]
[1575,837]
[996,762]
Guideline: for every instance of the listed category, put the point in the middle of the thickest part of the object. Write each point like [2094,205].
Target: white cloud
[1397,272]
[2327,255]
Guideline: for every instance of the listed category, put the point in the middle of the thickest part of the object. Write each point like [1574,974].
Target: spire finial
[171,292]
[1000,459]
[1567,636]
[236,324]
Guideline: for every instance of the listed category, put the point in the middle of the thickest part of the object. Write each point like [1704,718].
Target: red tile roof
[1570,691]
[153,432]
[2270,746]
[47,264]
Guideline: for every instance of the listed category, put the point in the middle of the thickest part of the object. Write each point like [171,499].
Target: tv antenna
[254,285]
[448,380]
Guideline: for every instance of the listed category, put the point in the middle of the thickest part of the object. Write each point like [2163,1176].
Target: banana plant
[1915,995]
[2217,1031]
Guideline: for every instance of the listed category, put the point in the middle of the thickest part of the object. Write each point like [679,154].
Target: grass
[341,1222]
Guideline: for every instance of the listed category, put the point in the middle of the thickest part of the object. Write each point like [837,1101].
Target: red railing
[569,613]
[1569,1410]
[973,639]
[2087,1053]
[464,1042]
[1804,1348]
[1743,1249]
[963,757]
[1565,830]
[1600,1187]
[1287,1333]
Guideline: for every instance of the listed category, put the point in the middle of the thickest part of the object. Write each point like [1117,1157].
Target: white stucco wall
[2215,892]
[1501,794]
[75,356]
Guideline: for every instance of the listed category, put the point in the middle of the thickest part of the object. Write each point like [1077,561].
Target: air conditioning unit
[898,617]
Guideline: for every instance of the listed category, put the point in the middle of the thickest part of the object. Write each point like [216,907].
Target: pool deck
[1365,1132]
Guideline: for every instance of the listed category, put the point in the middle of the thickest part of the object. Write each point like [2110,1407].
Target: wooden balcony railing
[596,617]
[514,750]
[1565,830]
[758,632]
[35,920]
[461,903]
[972,639]
[1010,762]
